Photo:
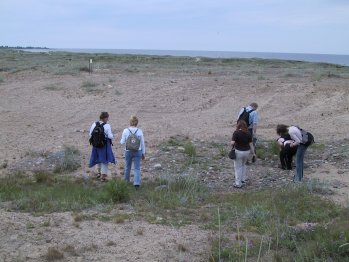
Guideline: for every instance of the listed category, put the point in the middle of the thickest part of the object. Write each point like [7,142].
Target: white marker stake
[90,66]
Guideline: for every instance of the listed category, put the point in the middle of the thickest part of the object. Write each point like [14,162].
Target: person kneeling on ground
[101,140]
[133,141]
[286,151]
[242,141]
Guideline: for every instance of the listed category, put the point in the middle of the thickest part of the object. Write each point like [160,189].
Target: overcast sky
[296,26]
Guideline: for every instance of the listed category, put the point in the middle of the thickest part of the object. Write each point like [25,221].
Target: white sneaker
[237,186]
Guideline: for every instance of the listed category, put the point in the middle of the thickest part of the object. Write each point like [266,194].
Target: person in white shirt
[101,156]
[136,154]
[297,138]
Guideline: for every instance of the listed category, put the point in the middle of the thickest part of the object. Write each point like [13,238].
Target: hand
[143,157]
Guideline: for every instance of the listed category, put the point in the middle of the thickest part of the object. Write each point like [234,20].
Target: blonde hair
[133,121]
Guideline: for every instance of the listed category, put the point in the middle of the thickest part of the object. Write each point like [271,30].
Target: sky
[291,26]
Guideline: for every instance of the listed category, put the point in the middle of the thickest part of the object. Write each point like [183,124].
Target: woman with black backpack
[101,138]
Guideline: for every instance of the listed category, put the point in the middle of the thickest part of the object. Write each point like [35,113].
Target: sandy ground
[98,241]
[195,104]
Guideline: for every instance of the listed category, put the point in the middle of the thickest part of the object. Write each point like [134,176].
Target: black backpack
[97,138]
[307,137]
[245,116]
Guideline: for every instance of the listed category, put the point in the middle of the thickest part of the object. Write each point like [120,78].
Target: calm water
[333,59]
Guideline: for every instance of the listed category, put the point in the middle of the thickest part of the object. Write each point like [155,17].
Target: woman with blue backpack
[101,137]
[133,141]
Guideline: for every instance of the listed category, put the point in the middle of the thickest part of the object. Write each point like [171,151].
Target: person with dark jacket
[286,151]
[242,142]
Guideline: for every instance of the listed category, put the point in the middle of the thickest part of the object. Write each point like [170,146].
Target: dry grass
[54,254]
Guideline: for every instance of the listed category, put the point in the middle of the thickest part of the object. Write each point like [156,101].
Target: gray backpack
[133,142]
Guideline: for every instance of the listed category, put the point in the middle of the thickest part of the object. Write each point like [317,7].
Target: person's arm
[252,149]
[143,146]
[254,122]
[296,135]
[108,132]
[123,137]
[254,128]
[280,142]
[233,139]
[91,129]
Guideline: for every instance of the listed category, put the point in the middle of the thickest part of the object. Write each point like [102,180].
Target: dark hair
[242,126]
[103,115]
[282,129]
[254,105]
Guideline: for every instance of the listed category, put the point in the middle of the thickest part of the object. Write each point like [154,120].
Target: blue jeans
[134,156]
[300,162]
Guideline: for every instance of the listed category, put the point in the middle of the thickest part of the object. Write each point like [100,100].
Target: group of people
[292,141]
[132,139]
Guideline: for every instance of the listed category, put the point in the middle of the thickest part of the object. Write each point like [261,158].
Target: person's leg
[244,157]
[137,167]
[98,170]
[128,164]
[299,163]
[104,171]
[282,159]
[237,167]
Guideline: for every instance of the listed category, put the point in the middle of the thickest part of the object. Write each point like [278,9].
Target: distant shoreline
[24,47]
[342,60]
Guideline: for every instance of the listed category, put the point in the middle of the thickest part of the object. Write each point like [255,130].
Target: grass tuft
[54,254]
[43,177]
[118,191]
[190,149]
[70,162]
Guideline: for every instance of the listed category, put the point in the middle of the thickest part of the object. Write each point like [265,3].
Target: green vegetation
[274,217]
[190,149]
[64,63]
[266,223]
[117,191]
[267,149]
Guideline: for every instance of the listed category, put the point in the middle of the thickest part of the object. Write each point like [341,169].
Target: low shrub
[117,191]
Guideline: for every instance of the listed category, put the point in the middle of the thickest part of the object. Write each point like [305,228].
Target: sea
[322,58]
